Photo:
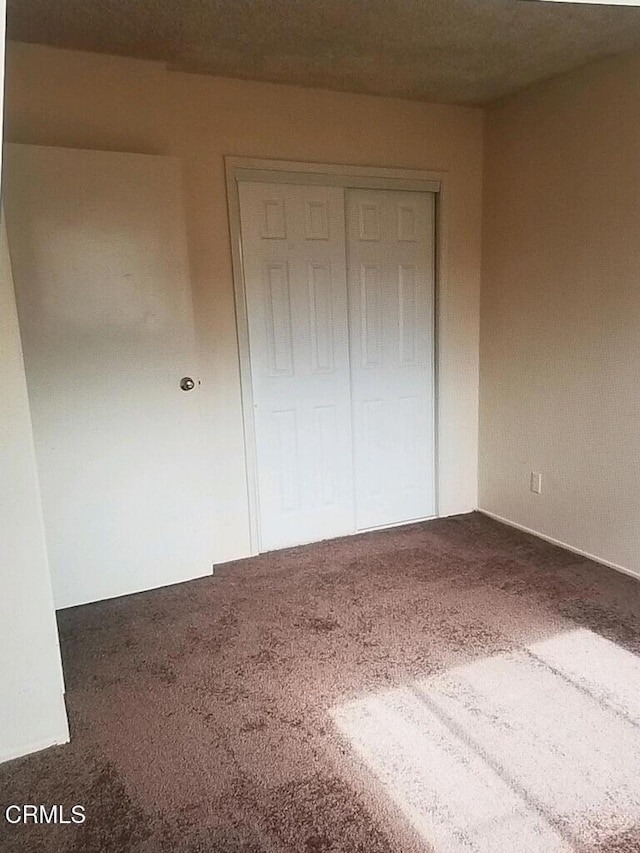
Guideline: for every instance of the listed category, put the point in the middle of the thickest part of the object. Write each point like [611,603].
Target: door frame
[239,169]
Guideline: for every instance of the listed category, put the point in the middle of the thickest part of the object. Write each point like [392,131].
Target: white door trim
[285,171]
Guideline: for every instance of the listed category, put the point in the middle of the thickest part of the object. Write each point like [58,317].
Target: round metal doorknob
[187,383]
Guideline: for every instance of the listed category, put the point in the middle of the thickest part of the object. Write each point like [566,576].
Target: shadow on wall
[535,750]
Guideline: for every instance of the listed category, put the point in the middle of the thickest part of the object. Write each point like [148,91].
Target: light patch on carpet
[606,671]
[536,750]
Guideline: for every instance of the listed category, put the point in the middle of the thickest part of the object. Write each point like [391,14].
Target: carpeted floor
[449,686]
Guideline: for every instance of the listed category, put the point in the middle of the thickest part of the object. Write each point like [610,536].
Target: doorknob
[187,383]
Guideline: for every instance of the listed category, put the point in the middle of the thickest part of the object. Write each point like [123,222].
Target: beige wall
[560,351]
[81,100]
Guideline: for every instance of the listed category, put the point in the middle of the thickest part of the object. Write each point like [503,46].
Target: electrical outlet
[536,483]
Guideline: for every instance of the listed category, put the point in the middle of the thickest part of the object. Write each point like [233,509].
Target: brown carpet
[449,686]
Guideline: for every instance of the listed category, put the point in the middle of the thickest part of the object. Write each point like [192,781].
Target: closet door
[390,248]
[293,245]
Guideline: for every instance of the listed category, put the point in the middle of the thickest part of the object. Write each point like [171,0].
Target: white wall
[32,711]
[560,340]
[67,98]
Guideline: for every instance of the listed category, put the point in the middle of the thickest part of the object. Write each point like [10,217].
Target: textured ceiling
[458,51]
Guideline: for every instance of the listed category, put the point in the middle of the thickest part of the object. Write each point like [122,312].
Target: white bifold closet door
[339,287]
[294,266]
[390,250]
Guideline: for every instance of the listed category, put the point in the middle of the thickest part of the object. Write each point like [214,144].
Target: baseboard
[561,544]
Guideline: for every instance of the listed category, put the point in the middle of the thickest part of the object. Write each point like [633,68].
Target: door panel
[293,243]
[390,252]
[100,266]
